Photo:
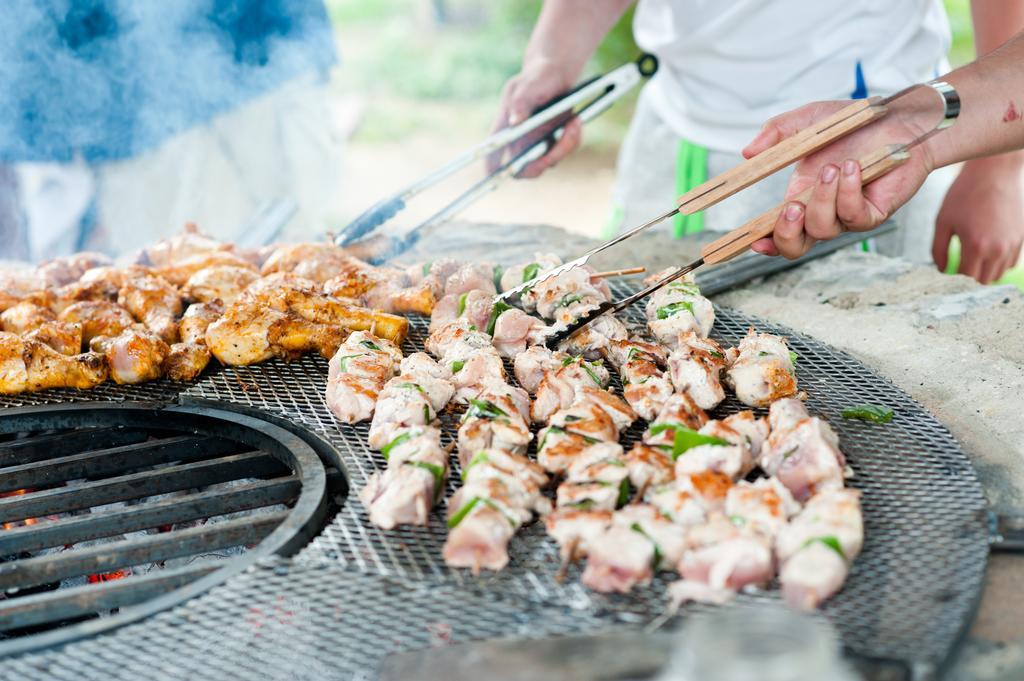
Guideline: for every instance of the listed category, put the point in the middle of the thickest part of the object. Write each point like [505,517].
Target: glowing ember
[27,521]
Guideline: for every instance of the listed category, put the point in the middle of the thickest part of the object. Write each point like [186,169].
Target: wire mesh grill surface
[909,595]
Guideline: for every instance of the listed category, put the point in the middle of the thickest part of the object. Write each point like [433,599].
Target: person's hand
[538,82]
[985,208]
[839,203]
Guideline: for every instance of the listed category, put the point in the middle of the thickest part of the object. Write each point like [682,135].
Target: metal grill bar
[79,496]
[80,601]
[113,460]
[152,549]
[27,450]
[145,516]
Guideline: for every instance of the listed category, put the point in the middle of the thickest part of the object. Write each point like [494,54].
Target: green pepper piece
[410,386]
[484,409]
[457,366]
[462,303]
[499,308]
[479,457]
[463,511]
[674,308]
[426,267]
[623,492]
[684,438]
[830,541]
[530,271]
[499,270]
[404,437]
[370,345]
[656,559]
[792,357]
[869,412]
[436,471]
[343,361]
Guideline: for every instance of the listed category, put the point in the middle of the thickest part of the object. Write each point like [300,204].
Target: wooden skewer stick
[618,273]
[639,496]
[567,560]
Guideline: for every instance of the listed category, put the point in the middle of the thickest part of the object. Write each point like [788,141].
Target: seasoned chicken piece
[188,243]
[324,309]
[182,271]
[593,340]
[676,309]
[223,282]
[28,365]
[530,366]
[558,448]
[413,482]
[585,418]
[316,261]
[23,285]
[753,430]
[470,277]
[356,374]
[406,401]
[483,515]
[518,465]
[523,491]
[475,306]
[97,318]
[695,367]
[154,302]
[433,274]
[761,369]
[724,557]
[135,355]
[709,488]
[574,529]
[269,283]
[804,456]
[513,330]
[494,421]
[620,352]
[102,290]
[382,288]
[678,415]
[70,268]
[679,506]
[567,296]
[110,277]
[728,452]
[24,317]
[248,333]
[559,389]
[649,467]
[197,317]
[762,506]
[185,361]
[817,547]
[596,479]
[64,337]
[520,274]
[644,385]
[640,541]
[621,414]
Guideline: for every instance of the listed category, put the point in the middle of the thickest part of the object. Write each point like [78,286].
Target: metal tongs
[586,101]
[840,124]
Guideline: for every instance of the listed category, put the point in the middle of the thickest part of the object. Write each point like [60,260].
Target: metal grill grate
[910,594]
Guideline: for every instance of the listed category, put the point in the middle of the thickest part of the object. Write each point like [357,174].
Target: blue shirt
[113,78]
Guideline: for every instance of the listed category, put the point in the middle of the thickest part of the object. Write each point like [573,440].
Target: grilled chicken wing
[183,270]
[28,365]
[24,317]
[316,261]
[64,337]
[223,282]
[70,268]
[185,361]
[197,317]
[154,302]
[250,332]
[135,355]
[97,318]
[189,243]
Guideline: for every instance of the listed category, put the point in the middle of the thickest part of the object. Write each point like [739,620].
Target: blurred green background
[408,56]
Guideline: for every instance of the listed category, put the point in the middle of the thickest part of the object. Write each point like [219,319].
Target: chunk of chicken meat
[406,401]
[414,480]
[135,355]
[804,456]
[676,309]
[356,374]
[817,547]
[475,306]
[24,317]
[761,369]
[695,367]
[70,268]
[483,516]
[181,272]
[724,557]
[186,361]
[197,317]
[564,297]
[470,277]
[220,282]
[494,420]
[640,541]
[530,366]
[575,529]
[729,454]
[28,365]
[250,332]
[64,337]
[154,302]
[559,388]
[316,261]
[188,243]
[520,274]
[97,318]
[649,467]
[762,506]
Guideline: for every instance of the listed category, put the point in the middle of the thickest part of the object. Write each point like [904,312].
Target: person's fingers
[940,243]
[789,237]
[782,126]
[970,259]
[852,208]
[820,220]
[769,136]
[764,246]
[572,135]
[493,160]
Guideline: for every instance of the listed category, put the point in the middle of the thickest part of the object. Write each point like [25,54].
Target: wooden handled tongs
[809,140]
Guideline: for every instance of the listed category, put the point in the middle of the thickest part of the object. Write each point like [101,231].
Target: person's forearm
[569,31]
[992,107]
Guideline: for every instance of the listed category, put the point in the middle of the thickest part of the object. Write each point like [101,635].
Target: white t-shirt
[726,66]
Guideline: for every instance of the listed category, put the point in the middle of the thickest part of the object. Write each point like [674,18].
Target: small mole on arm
[1011,114]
